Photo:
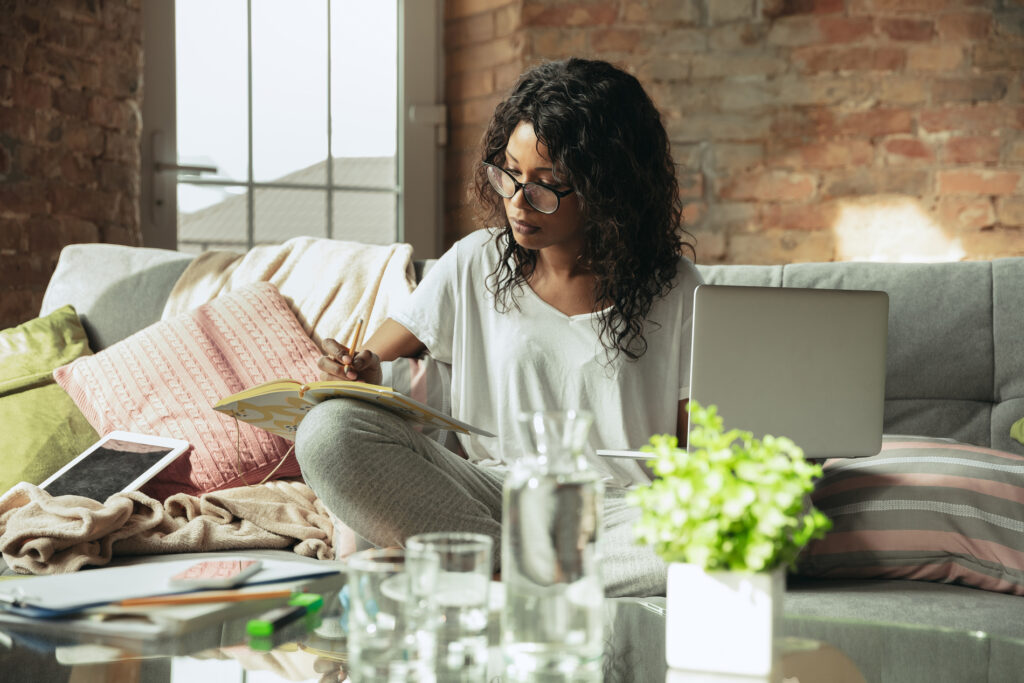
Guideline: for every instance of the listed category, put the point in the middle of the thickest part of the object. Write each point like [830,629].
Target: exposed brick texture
[803,129]
[70,94]
[790,120]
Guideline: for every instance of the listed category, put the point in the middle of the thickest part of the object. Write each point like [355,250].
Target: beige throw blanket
[330,284]
[42,534]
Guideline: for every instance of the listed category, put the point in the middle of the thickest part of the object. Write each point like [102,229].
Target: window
[283,119]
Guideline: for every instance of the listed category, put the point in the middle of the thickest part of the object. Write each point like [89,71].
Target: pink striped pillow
[163,380]
[926,509]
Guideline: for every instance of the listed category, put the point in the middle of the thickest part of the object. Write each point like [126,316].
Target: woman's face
[526,159]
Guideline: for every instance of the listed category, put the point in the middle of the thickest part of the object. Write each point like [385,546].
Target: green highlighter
[304,606]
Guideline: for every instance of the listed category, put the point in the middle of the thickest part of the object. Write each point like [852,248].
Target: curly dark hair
[606,140]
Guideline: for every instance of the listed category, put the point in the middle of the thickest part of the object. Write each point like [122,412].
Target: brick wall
[70,96]
[804,130]
[483,42]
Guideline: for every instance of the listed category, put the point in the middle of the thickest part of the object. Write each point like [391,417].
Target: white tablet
[120,461]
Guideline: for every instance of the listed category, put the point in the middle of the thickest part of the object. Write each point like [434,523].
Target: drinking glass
[392,619]
[462,594]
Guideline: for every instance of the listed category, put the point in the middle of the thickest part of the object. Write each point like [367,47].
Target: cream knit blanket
[329,284]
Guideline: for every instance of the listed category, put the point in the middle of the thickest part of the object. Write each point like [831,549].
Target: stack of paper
[86,601]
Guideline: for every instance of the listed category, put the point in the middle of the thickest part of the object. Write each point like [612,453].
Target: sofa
[955,376]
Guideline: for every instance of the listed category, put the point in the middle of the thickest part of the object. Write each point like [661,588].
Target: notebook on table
[808,364]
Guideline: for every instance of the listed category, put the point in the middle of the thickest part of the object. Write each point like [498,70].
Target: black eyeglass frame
[519,186]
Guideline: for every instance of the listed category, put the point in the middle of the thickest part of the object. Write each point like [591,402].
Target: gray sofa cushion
[116,290]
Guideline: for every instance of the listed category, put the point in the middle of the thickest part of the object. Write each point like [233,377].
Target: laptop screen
[808,364]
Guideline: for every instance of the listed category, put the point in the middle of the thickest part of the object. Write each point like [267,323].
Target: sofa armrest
[117,290]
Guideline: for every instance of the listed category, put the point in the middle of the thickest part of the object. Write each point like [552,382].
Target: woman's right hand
[338,363]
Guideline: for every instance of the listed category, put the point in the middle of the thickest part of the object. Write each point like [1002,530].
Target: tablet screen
[108,470]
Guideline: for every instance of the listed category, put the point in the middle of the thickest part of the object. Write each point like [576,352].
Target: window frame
[421,134]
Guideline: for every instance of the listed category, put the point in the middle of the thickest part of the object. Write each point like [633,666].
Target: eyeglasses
[541,197]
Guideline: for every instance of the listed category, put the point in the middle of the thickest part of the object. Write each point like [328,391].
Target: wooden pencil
[204,597]
[357,339]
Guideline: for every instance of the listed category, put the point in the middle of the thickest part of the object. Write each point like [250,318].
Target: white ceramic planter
[722,621]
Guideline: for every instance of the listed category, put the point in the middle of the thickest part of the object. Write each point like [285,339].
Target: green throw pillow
[42,427]
[1017,430]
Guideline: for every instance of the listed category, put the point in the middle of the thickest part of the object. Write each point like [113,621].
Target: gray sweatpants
[387,481]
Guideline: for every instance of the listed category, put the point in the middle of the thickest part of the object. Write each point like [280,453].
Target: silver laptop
[808,364]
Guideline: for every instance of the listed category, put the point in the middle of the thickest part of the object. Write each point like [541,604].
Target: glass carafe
[552,620]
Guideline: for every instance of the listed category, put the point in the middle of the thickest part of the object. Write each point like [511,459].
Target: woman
[581,299]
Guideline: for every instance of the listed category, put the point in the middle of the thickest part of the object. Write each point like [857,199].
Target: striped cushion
[926,509]
[164,379]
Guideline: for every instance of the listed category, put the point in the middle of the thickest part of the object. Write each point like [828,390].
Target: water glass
[393,616]
[462,594]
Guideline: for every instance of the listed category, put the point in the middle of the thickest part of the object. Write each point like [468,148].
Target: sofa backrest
[956,330]
[955,364]
[116,290]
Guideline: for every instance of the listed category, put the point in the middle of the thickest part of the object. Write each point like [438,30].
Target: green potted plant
[728,516]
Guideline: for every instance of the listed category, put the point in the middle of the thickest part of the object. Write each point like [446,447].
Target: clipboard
[171,630]
[58,595]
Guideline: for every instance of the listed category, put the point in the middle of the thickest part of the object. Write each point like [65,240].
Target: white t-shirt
[538,358]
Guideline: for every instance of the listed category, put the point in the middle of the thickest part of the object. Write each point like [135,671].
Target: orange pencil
[205,596]
[357,338]
[354,341]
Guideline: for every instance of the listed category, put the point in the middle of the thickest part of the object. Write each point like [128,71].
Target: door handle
[187,169]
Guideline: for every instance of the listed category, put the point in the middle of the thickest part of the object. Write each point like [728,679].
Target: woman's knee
[326,434]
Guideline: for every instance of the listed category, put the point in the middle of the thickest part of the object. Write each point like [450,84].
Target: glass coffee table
[813,648]
[221,652]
